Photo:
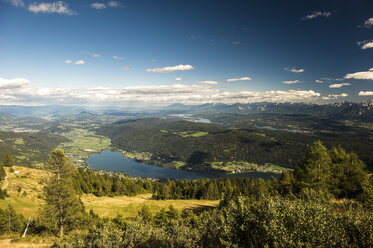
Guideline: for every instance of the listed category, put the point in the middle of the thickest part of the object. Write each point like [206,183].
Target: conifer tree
[2,172]
[8,159]
[315,170]
[63,209]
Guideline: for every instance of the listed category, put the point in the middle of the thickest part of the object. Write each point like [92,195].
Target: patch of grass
[28,180]
[129,206]
[19,141]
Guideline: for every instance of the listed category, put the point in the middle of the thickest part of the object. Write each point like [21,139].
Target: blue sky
[127,53]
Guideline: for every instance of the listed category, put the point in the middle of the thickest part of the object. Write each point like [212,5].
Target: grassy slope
[129,206]
[32,181]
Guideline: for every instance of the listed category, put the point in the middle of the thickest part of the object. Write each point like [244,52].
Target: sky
[150,53]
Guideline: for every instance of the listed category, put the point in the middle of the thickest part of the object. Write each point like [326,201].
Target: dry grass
[129,206]
[25,190]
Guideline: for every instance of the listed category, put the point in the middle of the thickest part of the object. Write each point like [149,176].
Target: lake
[114,161]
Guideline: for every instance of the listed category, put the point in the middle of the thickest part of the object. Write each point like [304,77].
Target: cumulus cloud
[291,82]
[366,93]
[96,55]
[68,61]
[338,85]
[367,75]
[368,23]
[98,5]
[316,14]
[16,3]
[59,7]
[19,91]
[13,83]
[238,79]
[113,4]
[334,96]
[365,44]
[295,70]
[118,58]
[80,62]
[178,79]
[168,69]
[319,81]
[207,82]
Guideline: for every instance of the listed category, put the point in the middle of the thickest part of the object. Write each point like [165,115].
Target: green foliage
[34,149]
[10,221]
[63,209]
[89,182]
[145,214]
[8,159]
[2,172]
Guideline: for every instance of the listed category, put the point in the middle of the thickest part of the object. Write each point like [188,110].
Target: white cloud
[98,5]
[294,70]
[18,91]
[366,93]
[168,69]
[13,83]
[113,4]
[96,55]
[68,61]
[367,75]
[178,79]
[291,82]
[334,96]
[80,62]
[319,81]
[338,85]
[16,3]
[369,22]
[365,44]
[206,82]
[59,7]
[125,68]
[316,14]
[238,79]
[118,58]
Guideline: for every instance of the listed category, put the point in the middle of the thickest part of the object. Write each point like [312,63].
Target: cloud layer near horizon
[20,91]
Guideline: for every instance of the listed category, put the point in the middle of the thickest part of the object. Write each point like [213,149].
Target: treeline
[103,184]
[221,144]
[213,189]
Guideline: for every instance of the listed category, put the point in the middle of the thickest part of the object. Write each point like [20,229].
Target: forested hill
[29,148]
[197,143]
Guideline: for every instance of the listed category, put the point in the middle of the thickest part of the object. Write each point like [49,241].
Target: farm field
[82,144]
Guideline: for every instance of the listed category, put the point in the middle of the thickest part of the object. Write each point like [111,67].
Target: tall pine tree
[62,209]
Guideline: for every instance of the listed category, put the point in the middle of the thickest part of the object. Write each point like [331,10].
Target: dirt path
[6,180]
[7,243]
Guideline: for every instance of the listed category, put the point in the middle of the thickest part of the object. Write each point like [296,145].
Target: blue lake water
[114,161]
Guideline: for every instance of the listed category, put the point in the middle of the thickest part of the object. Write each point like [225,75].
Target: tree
[63,209]
[8,159]
[2,172]
[315,170]
[349,176]
[145,214]
[10,221]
